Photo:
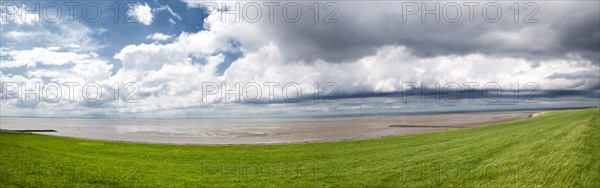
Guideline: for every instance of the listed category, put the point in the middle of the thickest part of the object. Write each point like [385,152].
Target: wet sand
[256,131]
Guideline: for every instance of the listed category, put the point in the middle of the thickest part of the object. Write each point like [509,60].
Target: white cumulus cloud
[158,37]
[141,12]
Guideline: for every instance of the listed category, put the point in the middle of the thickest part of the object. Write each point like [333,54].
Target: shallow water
[255,131]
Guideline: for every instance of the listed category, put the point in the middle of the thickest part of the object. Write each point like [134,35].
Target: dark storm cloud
[564,28]
[585,79]
[575,75]
[582,36]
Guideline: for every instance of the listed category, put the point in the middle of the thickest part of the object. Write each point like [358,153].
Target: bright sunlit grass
[559,149]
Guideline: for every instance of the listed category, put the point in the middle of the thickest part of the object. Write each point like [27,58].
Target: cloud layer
[367,49]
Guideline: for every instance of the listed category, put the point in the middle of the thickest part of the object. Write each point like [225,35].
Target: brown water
[256,131]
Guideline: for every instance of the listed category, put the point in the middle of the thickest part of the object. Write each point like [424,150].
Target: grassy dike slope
[562,148]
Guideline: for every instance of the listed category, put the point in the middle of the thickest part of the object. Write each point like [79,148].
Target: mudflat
[257,131]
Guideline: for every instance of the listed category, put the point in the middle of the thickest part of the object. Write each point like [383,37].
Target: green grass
[560,149]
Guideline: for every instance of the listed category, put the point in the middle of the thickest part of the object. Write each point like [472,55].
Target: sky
[184,59]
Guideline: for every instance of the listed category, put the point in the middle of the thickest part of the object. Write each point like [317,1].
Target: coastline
[260,131]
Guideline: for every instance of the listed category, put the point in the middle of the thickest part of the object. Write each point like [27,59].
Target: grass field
[560,149]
